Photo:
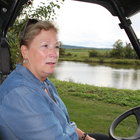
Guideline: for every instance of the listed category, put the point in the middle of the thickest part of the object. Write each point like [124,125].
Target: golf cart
[123,9]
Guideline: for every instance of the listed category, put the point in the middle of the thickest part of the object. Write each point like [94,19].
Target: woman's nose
[53,52]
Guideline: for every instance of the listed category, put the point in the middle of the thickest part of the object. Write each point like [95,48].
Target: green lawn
[96,116]
[93,114]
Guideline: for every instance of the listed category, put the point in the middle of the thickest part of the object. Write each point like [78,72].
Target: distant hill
[81,47]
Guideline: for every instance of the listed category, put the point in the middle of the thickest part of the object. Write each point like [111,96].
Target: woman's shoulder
[15,82]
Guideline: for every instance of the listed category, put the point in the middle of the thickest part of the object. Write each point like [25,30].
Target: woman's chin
[47,73]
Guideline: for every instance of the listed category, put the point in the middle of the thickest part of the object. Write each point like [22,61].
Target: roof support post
[126,25]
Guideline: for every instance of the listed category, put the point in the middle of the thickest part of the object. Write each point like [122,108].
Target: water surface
[98,75]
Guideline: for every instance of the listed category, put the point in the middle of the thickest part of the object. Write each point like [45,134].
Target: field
[94,108]
[82,55]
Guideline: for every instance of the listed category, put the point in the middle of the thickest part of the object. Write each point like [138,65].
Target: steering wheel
[136,112]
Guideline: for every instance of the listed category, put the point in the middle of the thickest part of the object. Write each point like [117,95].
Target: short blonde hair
[32,28]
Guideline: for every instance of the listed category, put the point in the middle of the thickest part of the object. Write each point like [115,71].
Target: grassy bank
[82,55]
[94,108]
[122,97]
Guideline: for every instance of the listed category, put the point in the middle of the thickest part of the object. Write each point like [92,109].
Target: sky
[91,25]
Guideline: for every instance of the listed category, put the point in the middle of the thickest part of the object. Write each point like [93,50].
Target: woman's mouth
[50,63]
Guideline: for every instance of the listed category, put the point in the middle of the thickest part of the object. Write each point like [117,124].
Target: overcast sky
[91,25]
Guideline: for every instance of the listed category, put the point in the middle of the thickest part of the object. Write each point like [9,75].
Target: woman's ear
[24,51]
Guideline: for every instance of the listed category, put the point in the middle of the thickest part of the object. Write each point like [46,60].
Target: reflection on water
[98,75]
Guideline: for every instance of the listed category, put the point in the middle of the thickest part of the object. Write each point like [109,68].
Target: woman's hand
[81,133]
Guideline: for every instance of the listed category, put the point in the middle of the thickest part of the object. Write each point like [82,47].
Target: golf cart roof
[10,9]
[127,7]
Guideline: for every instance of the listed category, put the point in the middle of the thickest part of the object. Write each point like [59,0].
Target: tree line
[118,51]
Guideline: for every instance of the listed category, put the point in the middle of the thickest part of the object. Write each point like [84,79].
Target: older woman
[30,107]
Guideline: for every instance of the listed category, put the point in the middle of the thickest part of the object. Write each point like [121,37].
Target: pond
[98,75]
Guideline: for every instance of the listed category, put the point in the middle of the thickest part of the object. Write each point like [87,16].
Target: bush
[93,53]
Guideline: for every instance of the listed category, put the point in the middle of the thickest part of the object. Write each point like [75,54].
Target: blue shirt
[27,112]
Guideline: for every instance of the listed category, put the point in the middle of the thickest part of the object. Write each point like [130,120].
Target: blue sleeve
[30,118]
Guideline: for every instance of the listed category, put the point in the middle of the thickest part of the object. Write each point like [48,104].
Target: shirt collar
[28,74]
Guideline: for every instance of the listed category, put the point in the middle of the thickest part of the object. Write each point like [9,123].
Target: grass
[123,97]
[96,116]
[94,108]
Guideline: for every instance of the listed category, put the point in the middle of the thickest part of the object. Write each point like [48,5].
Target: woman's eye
[45,46]
[57,47]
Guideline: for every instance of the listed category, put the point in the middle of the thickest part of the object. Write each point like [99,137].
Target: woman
[30,107]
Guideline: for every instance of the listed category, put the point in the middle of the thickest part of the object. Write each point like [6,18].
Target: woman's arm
[29,117]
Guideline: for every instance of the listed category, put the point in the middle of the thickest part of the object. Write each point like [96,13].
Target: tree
[121,51]
[117,50]
[42,12]
[93,53]
[129,51]
[62,52]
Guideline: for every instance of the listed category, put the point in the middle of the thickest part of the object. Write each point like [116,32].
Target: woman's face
[42,54]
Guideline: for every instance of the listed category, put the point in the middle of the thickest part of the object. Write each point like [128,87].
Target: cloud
[90,25]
